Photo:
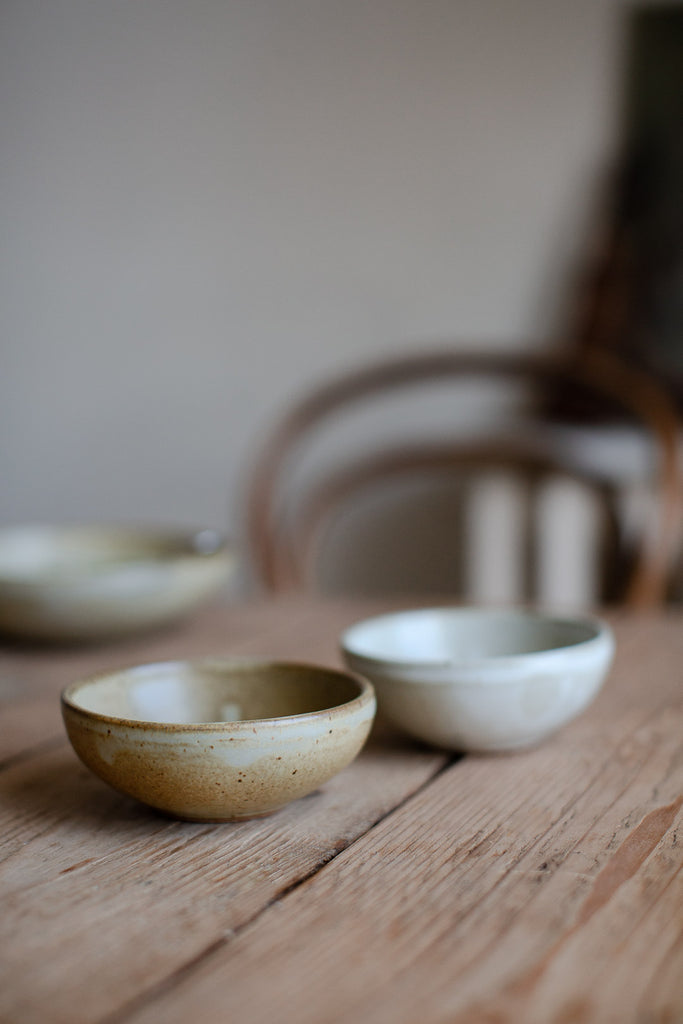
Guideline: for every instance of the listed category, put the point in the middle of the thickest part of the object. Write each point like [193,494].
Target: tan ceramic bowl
[218,740]
[76,583]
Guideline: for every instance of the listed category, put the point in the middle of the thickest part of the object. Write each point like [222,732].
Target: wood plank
[544,886]
[91,878]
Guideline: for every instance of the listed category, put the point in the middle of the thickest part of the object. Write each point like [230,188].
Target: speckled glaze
[218,740]
[477,679]
[80,583]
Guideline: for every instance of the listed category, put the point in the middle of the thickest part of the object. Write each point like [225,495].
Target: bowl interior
[45,553]
[194,693]
[449,635]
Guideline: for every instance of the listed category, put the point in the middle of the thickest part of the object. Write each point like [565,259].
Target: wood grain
[546,886]
[89,877]
[506,890]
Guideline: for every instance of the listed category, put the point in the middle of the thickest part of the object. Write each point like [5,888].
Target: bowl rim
[365,695]
[182,543]
[600,629]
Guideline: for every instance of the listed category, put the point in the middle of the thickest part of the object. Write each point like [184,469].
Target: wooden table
[416,886]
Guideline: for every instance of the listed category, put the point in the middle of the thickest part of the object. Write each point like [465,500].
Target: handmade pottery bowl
[218,740]
[478,679]
[75,583]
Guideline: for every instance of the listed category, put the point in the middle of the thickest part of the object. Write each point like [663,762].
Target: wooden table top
[415,886]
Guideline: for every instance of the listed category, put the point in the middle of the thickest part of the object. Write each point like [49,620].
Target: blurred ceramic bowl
[480,679]
[218,740]
[75,583]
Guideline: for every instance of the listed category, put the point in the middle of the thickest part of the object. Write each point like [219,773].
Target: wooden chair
[292,512]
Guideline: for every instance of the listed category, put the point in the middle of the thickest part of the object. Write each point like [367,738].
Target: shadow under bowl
[218,739]
[475,679]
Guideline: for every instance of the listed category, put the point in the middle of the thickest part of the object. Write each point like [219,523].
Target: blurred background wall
[207,206]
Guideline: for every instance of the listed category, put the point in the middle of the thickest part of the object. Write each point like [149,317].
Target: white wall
[207,205]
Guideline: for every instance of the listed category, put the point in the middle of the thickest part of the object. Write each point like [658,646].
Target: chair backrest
[292,514]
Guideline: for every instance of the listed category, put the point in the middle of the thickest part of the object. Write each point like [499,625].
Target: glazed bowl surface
[218,739]
[479,679]
[83,583]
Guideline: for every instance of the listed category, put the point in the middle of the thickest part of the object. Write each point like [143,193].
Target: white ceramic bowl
[218,740]
[74,583]
[480,679]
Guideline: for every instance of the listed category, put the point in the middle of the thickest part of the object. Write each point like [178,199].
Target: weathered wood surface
[90,878]
[540,887]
